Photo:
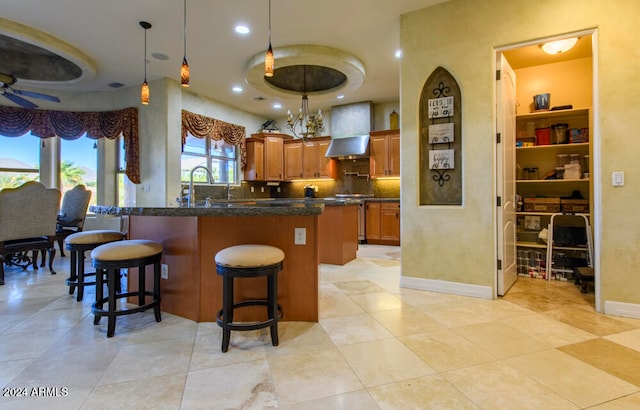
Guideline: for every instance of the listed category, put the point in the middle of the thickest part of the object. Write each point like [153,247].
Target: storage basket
[542,204]
[574,205]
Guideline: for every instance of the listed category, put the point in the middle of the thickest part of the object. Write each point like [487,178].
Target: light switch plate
[617,178]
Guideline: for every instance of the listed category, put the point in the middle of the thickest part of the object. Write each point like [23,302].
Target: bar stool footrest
[74,282]
[98,311]
[249,325]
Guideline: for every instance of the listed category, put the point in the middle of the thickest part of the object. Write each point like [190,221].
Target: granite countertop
[239,207]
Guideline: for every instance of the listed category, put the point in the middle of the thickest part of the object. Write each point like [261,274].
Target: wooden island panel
[194,290]
[178,235]
[338,234]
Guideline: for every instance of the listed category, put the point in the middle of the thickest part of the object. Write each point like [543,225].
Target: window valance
[69,125]
[201,126]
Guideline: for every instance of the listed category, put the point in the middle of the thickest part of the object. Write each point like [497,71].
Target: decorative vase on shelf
[394,120]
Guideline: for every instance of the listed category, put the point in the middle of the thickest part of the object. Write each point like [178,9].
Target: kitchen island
[192,236]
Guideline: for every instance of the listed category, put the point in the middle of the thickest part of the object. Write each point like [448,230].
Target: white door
[506,174]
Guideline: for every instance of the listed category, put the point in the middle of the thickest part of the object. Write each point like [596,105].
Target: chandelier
[305,125]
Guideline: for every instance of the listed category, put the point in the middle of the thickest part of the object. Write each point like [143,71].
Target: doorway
[528,160]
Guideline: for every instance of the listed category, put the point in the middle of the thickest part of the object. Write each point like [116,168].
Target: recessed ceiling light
[236,89]
[160,56]
[242,29]
[340,97]
[277,106]
[398,53]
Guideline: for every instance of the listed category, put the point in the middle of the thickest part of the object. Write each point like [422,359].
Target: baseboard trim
[442,286]
[623,309]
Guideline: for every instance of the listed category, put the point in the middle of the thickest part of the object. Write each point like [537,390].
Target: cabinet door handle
[397,216]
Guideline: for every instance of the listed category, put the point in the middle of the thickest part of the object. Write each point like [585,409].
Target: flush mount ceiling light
[144,91]
[184,70]
[559,46]
[269,62]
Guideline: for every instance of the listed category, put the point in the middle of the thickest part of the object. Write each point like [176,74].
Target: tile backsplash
[352,178]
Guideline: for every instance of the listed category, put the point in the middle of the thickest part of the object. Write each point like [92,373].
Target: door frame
[594,136]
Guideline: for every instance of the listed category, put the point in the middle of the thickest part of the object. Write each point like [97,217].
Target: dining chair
[72,214]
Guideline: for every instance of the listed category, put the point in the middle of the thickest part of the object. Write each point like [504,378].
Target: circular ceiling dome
[306,78]
[30,62]
[307,69]
[36,57]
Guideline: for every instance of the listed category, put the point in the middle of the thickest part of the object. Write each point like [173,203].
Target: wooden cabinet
[384,151]
[372,220]
[307,160]
[293,160]
[265,157]
[254,170]
[390,221]
[383,222]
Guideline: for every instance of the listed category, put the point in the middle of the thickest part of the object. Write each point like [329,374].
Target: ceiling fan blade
[20,101]
[37,95]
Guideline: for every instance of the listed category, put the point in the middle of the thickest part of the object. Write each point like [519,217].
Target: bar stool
[249,261]
[112,257]
[77,244]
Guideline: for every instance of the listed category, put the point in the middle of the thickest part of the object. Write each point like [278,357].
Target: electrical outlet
[261,189]
[278,189]
[164,272]
[300,236]
[253,189]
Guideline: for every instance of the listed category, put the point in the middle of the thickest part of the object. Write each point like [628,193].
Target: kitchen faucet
[191,200]
[228,190]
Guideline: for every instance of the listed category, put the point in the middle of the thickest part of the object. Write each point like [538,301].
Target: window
[79,165]
[19,160]
[125,189]
[219,157]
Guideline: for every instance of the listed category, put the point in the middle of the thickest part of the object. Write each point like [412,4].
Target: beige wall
[568,82]
[449,246]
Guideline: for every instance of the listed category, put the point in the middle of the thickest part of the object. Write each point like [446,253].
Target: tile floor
[376,347]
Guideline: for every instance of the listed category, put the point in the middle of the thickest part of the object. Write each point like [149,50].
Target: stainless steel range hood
[349,148]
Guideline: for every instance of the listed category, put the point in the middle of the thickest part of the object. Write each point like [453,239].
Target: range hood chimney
[350,128]
[349,148]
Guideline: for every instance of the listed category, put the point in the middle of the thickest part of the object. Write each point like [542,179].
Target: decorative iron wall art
[440,140]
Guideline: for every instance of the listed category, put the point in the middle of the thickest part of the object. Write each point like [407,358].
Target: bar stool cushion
[249,256]
[91,237]
[126,250]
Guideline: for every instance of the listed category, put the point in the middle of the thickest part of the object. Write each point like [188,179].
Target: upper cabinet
[307,160]
[384,151]
[265,157]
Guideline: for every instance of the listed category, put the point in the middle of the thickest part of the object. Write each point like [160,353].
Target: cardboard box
[574,205]
[542,204]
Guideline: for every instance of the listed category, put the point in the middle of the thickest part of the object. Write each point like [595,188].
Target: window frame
[209,157]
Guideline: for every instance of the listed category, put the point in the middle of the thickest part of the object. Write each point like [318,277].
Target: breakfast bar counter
[192,236]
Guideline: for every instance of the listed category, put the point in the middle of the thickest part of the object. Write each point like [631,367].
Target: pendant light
[268,59]
[184,70]
[144,92]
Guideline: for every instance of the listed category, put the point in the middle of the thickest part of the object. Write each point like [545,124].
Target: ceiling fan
[16,96]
